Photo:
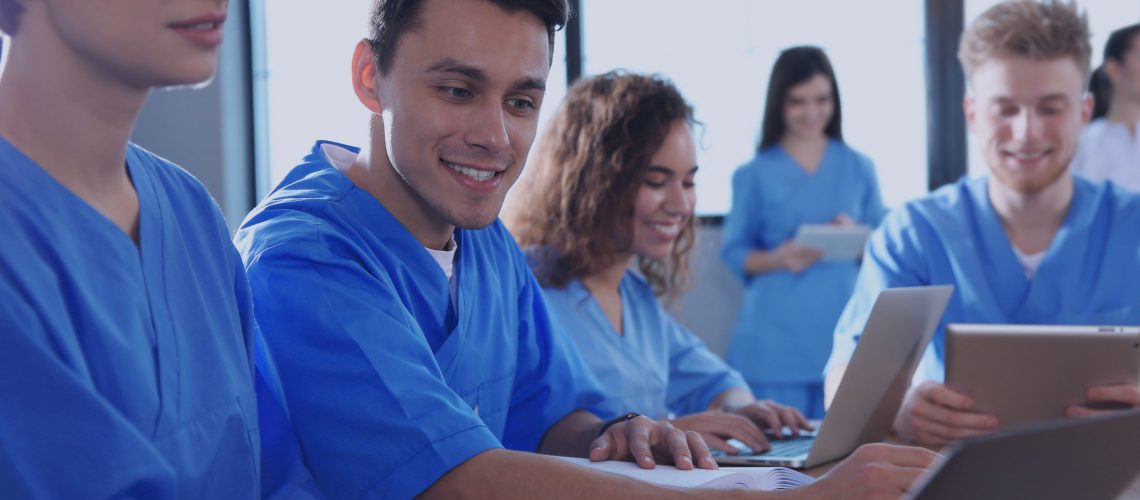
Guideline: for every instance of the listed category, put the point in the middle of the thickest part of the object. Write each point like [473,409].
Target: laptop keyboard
[790,446]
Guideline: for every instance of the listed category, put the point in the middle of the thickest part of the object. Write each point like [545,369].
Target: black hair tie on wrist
[624,418]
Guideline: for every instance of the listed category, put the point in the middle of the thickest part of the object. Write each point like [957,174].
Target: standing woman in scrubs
[803,173]
[126,366]
[606,217]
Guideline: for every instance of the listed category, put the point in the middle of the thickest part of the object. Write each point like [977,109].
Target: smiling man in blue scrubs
[126,368]
[1030,243]
[412,339]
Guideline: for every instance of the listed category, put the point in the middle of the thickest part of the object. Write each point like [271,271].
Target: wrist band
[624,418]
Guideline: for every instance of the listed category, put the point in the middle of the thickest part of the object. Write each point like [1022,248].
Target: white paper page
[755,478]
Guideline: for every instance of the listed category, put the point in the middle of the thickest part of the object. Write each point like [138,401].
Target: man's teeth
[202,26]
[474,174]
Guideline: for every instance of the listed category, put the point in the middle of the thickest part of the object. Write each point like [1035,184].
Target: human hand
[774,416]
[935,415]
[874,471]
[647,442]
[796,258]
[843,220]
[1107,399]
[717,427]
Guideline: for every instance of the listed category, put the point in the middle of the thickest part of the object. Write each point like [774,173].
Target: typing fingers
[794,419]
[743,429]
[717,443]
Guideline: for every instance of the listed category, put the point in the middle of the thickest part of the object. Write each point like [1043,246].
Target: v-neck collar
[1013,289]
[38,176]
[598,315]
[792,162]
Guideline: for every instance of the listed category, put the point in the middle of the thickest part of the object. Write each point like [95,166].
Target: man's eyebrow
[449,65]
[530,84]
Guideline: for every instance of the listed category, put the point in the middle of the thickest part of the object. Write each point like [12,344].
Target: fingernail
[647,460]
[710,462]
[686,460]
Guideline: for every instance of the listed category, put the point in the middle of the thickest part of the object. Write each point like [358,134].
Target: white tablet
[1028,373]
[838,243]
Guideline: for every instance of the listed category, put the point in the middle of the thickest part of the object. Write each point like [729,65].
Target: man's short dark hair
[392,18]
[10,11]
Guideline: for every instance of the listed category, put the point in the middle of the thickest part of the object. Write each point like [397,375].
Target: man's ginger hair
[1038,30]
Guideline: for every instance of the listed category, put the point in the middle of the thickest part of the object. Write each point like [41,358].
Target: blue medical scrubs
[783,337]
[954,236]
[656,367]
[387,388]
[126,371]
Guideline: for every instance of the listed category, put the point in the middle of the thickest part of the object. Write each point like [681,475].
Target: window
[720,54]
[306,97]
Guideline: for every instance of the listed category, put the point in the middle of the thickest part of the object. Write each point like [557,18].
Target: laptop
[1090,459]
[900,326]
[1027,373]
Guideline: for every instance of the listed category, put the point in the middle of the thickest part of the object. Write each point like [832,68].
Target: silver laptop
[1089,459]
[901,325]
[1028,373]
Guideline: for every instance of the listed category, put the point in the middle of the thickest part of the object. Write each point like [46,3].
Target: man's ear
[968,105]
[1112,70]
[1088,103]
[365,76]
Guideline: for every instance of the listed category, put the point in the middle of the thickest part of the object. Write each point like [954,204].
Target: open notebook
[726,478]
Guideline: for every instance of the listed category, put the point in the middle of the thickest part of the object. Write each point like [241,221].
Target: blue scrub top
[386,389]
[126,372]
[954,236]
[787,319]
[656,368]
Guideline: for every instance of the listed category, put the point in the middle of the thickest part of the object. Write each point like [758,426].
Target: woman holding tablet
[803,173]
[610,185]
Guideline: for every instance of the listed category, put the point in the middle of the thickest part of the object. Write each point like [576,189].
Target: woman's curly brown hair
[576,202]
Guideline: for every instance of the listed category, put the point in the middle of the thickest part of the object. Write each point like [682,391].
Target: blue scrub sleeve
[283,471]
[873,209]
[893,259]
[742,226]
[552,381]
[696,375]
[371,408]
[58,437]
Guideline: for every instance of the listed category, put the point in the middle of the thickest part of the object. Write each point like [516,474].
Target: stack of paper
[726,478]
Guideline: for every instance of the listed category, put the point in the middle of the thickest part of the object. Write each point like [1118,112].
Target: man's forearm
[571,436]
[731,399]
[500,473]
